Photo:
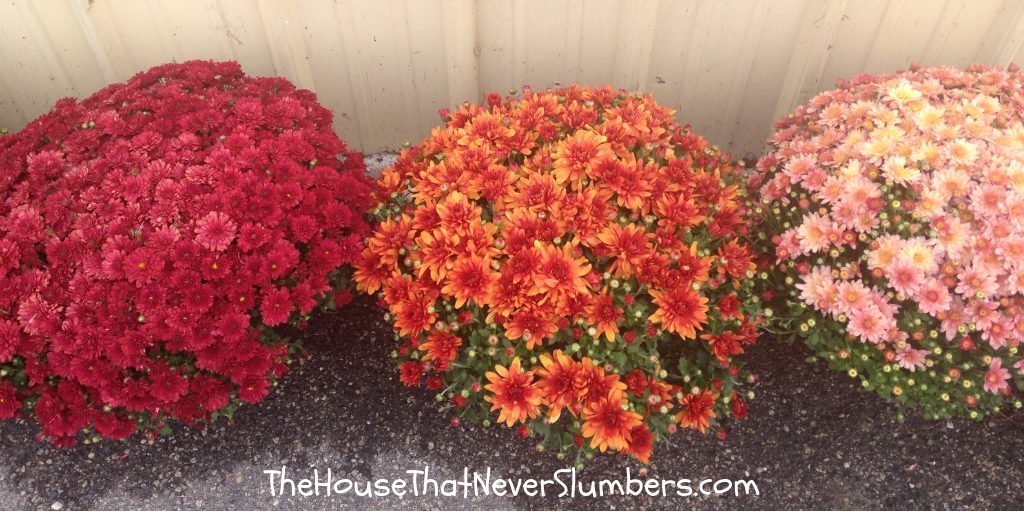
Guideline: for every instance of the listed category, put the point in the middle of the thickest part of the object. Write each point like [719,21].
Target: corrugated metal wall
[731,67]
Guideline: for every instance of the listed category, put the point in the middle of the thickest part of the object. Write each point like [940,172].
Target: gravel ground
[813,440]
[377,162]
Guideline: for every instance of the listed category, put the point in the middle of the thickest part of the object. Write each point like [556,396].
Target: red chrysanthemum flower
[739,407]
[435,383]
[10,338]
[729,307]
[636,382]
[166,384]
[215,231]
[276,306]
[641,443]
[213,393]
[136,303]
[9,402]
[113,426]
[143,266]
[253,389]
[724,345]
[410,373]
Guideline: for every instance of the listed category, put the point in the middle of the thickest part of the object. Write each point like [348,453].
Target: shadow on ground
[813,440]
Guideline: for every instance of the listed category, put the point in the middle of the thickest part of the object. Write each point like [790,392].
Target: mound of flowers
[150,237]
[895,210]
[570,263]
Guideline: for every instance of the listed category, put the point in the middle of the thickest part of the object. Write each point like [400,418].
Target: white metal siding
[730,67]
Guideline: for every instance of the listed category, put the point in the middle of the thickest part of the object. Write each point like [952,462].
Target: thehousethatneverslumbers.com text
[564,483]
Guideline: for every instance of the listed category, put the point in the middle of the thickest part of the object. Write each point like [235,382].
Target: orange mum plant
[572,261]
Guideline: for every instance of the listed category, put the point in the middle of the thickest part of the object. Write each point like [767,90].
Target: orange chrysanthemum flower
[549,220]
[426,218]
[440,138]
[524,264]
[535,107]
[413,316]
[602,96]
[652,269]
[390,182]
[599,384]
[735,259]
[562,382]
[447,176]
[559,272]
[508,295]
[677,211]
[587,212]
[524,228]
[397,289]
[698,410]
[437,253]
[724,345]
[513,393]
[441,347]
[390,236]
[628,245]
[470,278]
[572,306]
[680,310]
[495,183]
[532,323]
[371,272]
[477,239]
[691,267]
[522,141]
[605,316]
[578,115]
[540,193]
[614,131]
[659,392]
[485,128]
[632,185]
[456,212]
[575,153]
[607,425]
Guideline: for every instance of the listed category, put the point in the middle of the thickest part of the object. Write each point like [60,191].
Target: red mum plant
[572,264]
[149,237]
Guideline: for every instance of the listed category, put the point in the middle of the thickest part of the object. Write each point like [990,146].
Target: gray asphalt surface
[813,440]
